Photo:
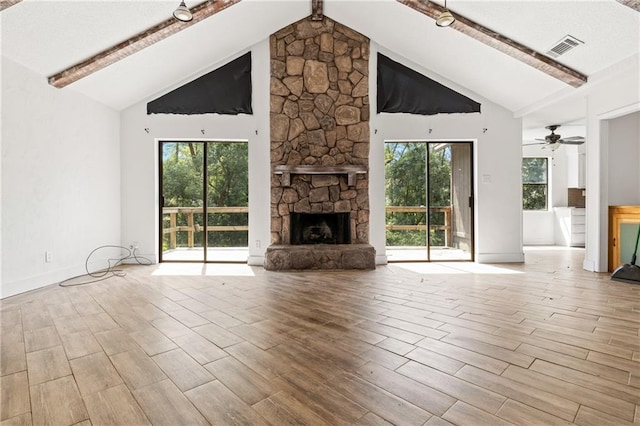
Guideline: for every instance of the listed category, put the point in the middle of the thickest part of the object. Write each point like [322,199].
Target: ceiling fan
[554,140]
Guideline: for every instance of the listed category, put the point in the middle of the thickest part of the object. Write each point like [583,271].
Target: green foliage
[227,185]
[534,183]
[534,197]
[406,185]
[228,177]
[405,171]
[182,174]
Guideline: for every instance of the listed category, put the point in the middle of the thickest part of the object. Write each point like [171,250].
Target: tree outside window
[535,172]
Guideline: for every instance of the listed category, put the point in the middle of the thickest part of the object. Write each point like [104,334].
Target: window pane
[534,170]
[534,196]
[534,183]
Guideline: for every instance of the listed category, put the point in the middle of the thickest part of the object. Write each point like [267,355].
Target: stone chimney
[319,131]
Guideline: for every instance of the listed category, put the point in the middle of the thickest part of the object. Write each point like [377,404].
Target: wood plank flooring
[407,344]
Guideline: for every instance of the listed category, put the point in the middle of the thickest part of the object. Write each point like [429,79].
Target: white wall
[139,158]
[497,155]
[613,97]
[60,180]
[497,164]
[624,160]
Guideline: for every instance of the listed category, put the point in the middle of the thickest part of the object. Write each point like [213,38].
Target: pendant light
[182,13]
[445,18]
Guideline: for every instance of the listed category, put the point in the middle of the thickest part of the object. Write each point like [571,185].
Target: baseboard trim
[589,265]
[36,282]
[500,257]
[255,261]
[8,289]
[143,258]
[381,259]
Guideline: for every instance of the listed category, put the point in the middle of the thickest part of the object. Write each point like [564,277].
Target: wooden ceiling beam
[6,4]
[633,4]
[503,44]
[137,43]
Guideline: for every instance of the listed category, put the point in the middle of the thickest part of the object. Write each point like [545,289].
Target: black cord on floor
[110,271]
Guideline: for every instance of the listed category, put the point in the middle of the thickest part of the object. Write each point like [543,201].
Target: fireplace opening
[320,228]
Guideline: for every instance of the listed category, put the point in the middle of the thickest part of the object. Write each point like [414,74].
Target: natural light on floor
[429,268]
[204,269]
[453,268]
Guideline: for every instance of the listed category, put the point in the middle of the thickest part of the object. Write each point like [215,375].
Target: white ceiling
[49,35]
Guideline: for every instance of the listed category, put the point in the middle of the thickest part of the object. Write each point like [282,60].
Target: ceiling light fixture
[445,18]
[182,13]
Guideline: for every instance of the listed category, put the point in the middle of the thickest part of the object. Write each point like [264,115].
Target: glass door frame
[205,176]
[471,200]
[471,205]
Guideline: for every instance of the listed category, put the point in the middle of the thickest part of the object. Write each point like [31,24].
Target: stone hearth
[320,256]
[319,141]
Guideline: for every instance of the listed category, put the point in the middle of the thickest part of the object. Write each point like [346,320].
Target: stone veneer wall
[319,116]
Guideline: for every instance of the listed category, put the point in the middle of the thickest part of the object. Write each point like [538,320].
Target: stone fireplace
[320,228]
[319,148]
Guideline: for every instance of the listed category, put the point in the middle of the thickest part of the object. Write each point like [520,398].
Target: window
[535,172]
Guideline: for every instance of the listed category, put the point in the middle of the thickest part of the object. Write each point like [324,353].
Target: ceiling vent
[563,46]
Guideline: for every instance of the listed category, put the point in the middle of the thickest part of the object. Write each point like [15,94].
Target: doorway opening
[198,177]
[429,201]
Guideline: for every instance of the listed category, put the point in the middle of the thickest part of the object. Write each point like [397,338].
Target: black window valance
[226,90]
[401,89]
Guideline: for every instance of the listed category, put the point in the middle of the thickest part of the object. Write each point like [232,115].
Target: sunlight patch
[455,268]
[202,269]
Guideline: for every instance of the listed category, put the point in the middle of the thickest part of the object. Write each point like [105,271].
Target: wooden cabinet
[623,230]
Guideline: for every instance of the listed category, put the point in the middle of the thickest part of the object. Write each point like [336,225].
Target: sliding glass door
[429,198]
[204,176]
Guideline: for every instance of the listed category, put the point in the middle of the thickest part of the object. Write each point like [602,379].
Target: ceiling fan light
[445,19]
[182,13]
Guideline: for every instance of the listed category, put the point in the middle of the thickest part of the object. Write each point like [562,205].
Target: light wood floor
[540,343]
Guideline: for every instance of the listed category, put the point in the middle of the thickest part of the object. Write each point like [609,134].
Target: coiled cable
[110,271]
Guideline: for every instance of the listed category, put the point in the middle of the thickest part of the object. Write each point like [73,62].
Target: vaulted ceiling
[49,36]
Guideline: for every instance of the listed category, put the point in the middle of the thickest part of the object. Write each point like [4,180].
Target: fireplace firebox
[320,228]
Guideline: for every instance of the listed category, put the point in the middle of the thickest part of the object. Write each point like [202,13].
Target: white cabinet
[569,226]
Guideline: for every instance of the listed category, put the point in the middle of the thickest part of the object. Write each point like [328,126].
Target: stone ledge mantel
[351,170]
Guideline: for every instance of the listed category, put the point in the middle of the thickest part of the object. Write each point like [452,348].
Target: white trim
[381,259]
[50,278]
[500,257]
[619,112]
[589,265]
[255,261]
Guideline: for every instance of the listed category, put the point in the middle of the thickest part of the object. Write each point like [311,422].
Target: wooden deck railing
[447,210]
[192,227]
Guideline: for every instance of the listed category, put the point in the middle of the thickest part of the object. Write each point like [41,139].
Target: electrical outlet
[134,246]
[48,256]
[257,243]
